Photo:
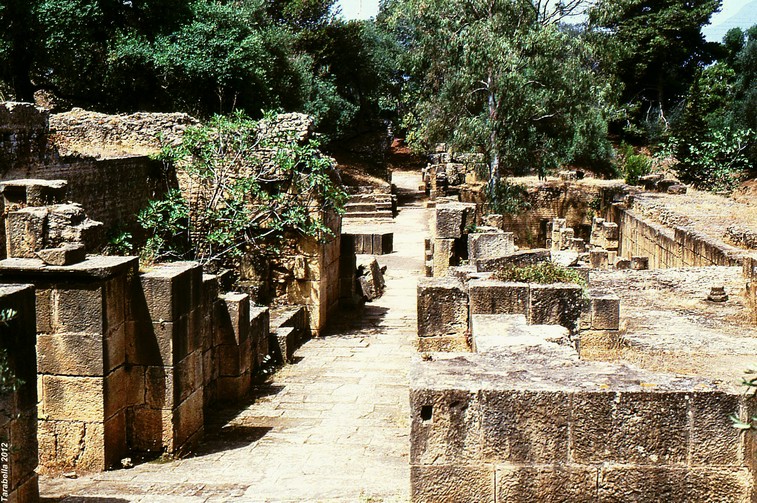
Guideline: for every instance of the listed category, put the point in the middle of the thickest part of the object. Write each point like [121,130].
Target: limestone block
[452,219]
[188,419]
[498,297]
[65,255]
[673,484]
[622,263]
[525,427]
[70,354]
[259,332]
[444,253]
[26,232]
[605,312]
[72,398]
[282,343]
[151,430]
[639,263]
[599,259]
[24,451]
[62,220]
[442,307]
[517,259]
[172,290]
[452,484]
[555,483]
[495,220]
[29,192]
[556,304]
[188,376]
[714,440]
[228,360]
[444,344]
[630,428]
[67,445]
[577,245]
[445,427]
[677,189]
[79,309]
[238,313]
[483,245]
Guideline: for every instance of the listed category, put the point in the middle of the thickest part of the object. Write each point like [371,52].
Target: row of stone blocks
[750,276]
[527,420]
[377,243]
[128,362]
[446,305]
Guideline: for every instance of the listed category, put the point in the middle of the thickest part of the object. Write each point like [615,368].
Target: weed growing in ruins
[634,166]
[505,198]
[244,185]
[750,382]
[8,380]
[544,273]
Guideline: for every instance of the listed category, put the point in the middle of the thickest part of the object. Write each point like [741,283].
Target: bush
[634,166]
[543,273]
[248,191]
[505,198]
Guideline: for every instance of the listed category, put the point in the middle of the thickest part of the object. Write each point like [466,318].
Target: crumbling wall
[527,420]
[23,135]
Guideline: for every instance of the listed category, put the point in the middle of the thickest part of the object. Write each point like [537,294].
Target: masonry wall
[18,405]
[668,247]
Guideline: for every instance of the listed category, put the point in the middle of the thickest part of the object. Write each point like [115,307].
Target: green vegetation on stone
[543,273]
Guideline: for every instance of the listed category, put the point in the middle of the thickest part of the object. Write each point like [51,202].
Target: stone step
[369,214]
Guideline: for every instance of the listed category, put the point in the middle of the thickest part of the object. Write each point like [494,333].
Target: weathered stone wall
[92,133]
[668,247]
[23,135]
[125,362]
[526,420]
[18,407]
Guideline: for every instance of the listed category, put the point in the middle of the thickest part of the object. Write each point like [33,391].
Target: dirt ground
[667,323]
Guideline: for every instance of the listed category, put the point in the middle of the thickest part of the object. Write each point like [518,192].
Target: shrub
[544,273]
[634,166]
[505,198]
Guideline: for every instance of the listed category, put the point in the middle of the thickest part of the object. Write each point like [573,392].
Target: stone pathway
[332,427]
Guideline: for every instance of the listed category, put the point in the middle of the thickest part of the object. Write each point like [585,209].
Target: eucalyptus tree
[505,76]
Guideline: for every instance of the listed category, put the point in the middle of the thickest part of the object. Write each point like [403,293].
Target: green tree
[654,48]
[501,75]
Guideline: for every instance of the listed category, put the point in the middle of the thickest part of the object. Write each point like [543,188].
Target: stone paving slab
[334,427]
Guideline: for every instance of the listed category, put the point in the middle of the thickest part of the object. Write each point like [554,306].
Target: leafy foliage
[246,191]
[750,383]
[8,380]
[653,49]
[501,75]
[544,273]
[506,198]
[634,166]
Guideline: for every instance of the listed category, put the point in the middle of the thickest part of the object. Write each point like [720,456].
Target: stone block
[60,445]
[282,343]
[168,290]
[188,420]
[714,440]
[525,427]
[605,312]
[599,259]
[259,333]
[452,219]
[442,307]
[70,354]
[444,256]
[231,389]
[66,254]
[79,309]
[26,232]
[639,263]
[114,430]
[188,376]
[630,428]
[72,398]
[30,192]
[151,430]
[622,263]
[621,484]
[556,304]
[452,484]
[445,427]
[495,220]
[518,259]
[498,297]
[482,245]
[444,344]
[24,450]
[556,483]
[238,308]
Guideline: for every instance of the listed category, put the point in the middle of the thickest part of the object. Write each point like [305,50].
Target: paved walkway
[332,427]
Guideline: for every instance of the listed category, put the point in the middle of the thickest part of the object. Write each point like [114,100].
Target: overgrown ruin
[619,389]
